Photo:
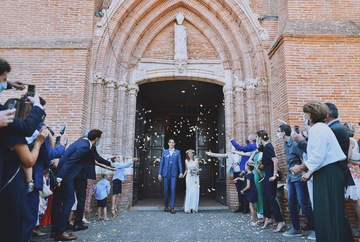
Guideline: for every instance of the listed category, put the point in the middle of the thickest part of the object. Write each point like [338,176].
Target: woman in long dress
[192,171]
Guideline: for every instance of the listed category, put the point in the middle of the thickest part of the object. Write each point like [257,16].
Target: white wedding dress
[192,187]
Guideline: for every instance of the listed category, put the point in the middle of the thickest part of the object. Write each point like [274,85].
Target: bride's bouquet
[195,171]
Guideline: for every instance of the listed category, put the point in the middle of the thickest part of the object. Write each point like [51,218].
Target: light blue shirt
[102,189]
[120,168]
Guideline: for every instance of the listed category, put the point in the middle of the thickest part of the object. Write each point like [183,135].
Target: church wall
[324,10]
[59,76]
[47,44]
[199,47]
[315,60]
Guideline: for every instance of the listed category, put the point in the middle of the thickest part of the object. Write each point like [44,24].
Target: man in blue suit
[170,167]
[70,165]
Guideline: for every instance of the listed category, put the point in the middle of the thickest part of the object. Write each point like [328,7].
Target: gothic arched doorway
[192,113]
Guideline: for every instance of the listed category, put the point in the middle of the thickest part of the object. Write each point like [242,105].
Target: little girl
[250,193]
[102,190]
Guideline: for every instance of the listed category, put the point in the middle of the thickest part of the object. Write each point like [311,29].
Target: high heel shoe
[266,223]
[280,227]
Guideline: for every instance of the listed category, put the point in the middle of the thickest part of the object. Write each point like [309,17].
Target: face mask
[279,135]
[306,122]
[97,143]
[305,133]
[3,86]
[258,142]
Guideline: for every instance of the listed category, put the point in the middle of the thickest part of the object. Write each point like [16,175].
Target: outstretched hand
[6,117]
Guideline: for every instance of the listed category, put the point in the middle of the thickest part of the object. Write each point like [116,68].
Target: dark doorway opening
[192,113]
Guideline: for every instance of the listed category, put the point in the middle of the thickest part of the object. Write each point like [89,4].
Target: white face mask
[3,86]
[306,122]
[258,142]
[279,135]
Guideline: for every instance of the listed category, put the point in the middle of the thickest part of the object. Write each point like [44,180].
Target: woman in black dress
[270,162]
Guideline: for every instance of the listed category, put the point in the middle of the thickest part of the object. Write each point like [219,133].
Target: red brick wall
[324,10]
[198,46]
[59,76]
[47,44]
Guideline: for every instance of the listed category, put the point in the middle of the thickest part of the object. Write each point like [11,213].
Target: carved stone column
[239,108]
[130,120]
[120,135]
[263,96]
[96,110]
[109,119]
[251,100]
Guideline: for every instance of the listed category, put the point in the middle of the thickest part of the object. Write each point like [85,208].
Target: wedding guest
[233,169]
[13,196]
[118,179]
[250,146]
[250,192]
[353,192]
[297,190]
[270,162]
[324,156]
[70,165]
[102,190]
[332,120]
[258,179]
[192,181]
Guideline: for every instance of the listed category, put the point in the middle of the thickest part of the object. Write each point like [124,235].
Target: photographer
[47,153]
[10,125]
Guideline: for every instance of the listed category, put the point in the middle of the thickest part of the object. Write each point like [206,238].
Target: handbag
[46,190]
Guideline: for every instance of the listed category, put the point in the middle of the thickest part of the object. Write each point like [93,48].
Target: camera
[31,91]
[57,139]
[296,128]
[12,105]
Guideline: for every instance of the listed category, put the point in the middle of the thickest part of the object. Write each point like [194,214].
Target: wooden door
[154,147]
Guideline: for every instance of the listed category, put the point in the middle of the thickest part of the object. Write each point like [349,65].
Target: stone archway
[134,44]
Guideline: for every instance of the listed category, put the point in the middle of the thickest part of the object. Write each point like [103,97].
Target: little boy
[102,190]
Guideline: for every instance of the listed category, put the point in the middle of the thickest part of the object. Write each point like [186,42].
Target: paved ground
[152,224]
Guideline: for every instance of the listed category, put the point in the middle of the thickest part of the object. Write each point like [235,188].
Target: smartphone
[297,129]
[13,104]
[31,90]
[62,129]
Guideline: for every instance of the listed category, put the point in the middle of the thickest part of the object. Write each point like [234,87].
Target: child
[250,193]
[118,177]
[102,190]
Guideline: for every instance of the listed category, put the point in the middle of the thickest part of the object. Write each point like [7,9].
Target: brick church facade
[89,59]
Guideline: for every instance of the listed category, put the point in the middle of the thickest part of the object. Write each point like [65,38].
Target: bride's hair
[188,152]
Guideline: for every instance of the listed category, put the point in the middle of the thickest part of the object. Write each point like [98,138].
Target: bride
[192,183]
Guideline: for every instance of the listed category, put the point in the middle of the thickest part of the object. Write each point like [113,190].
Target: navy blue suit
[342,137]
[47,153]
[170,168]
[80,181]
[69,167]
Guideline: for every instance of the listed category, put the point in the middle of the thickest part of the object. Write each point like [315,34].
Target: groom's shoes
[166,209]
[172,211]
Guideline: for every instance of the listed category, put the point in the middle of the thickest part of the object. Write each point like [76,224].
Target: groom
[170,166]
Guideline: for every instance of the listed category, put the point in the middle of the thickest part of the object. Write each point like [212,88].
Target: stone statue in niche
[180,56]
